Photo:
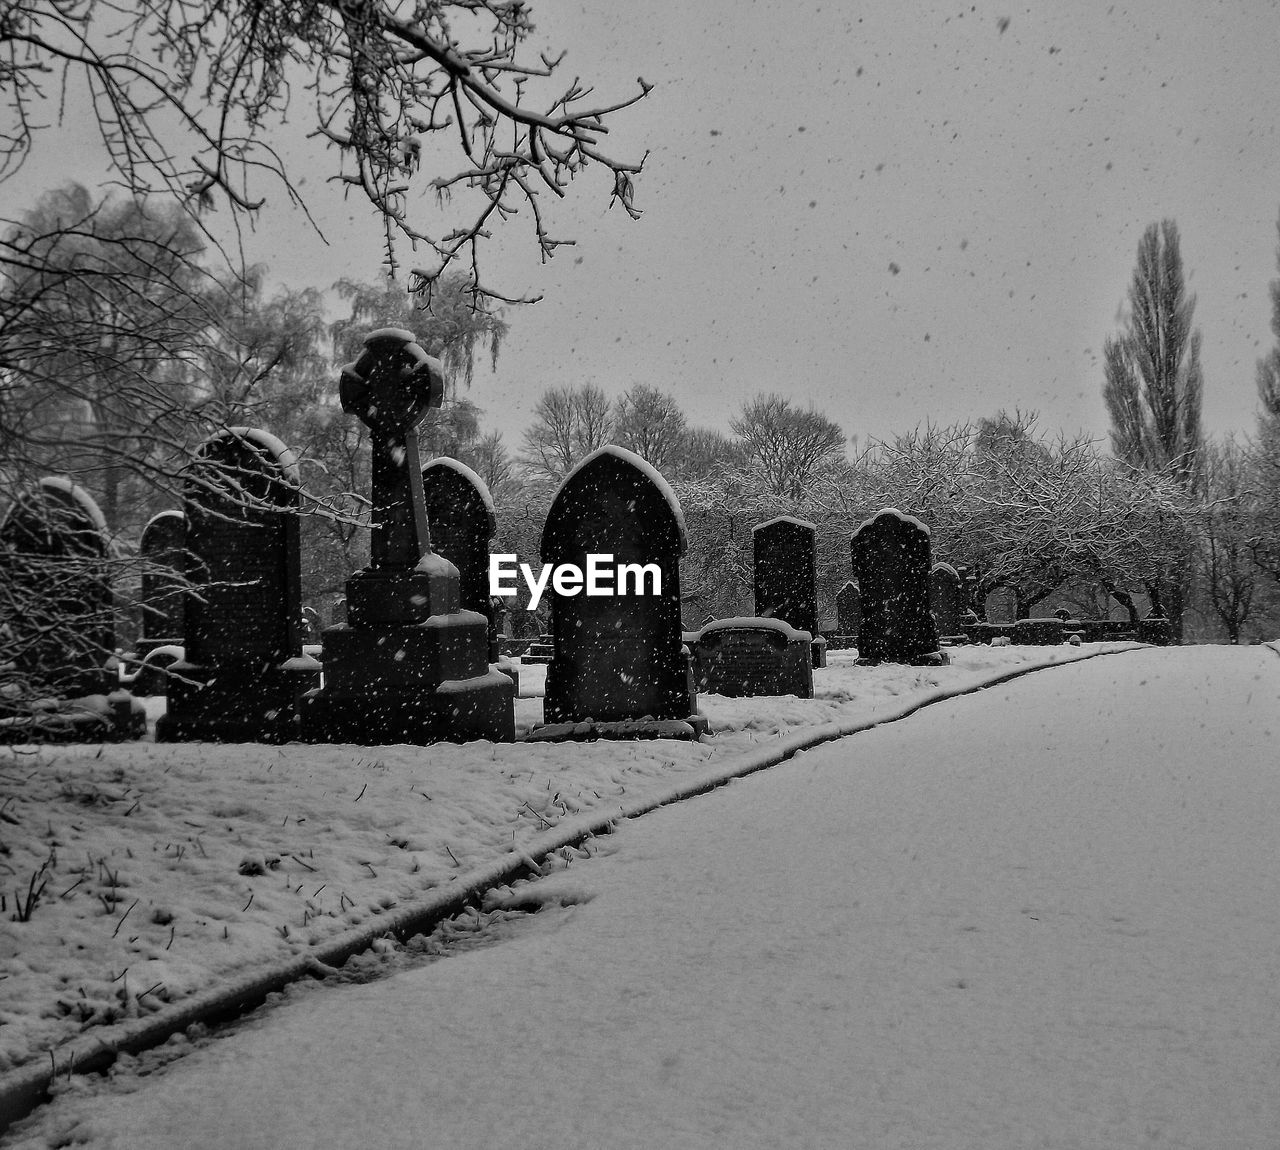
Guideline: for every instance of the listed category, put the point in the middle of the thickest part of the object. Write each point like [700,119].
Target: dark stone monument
[848,616]
[619,666]
[54,551]
[163,545]
[891,563]
[1038,632]
[410,665]
[462,521]
[163,598]
[752,656]
[785,566]
[946,598]
[242,672]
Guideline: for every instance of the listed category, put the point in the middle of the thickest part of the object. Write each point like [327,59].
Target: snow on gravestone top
[622,455]
[78,496]
[892,512]
[785,519]
[756,623]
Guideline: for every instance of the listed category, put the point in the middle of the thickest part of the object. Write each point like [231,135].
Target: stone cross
[390,388]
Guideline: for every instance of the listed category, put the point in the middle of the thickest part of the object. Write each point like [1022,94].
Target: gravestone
[1001,605]
[848,614]
[54,548]
[785,568]
[163,545]
[411,664]
[752,656]
[891,563]
[462,521]
[946,597]
[619,666]
[242,672]
[163,596]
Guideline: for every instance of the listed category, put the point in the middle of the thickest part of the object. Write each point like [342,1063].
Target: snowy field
[142,873]
[1043,915]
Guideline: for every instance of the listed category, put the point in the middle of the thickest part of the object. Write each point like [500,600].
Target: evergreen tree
[1154,385]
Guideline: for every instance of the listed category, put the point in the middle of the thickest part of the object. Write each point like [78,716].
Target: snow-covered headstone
[945,599]
[848,614]
[891,562]
[785,569]
[618,657]
[53,548]
[242,628]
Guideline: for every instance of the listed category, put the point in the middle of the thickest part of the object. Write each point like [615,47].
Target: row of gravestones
[775,651]
[415,661]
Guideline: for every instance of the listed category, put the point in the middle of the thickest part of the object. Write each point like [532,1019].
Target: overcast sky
[897,213]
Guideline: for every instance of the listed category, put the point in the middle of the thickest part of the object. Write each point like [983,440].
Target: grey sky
[899,213]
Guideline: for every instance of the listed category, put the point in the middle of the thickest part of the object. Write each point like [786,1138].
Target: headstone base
[748,656]
[456,710]
[925,659]
[377,598]
[244,701]
[691,728]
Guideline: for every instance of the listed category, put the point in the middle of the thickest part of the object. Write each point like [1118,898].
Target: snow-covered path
[1046,915]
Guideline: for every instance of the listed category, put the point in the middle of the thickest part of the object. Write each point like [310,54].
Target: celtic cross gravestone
[410,665]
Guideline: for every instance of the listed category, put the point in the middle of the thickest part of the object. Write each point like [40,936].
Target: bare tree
[189,95]
[1230,577]
[104,307]
[568,424]
[650,423]
[789,445]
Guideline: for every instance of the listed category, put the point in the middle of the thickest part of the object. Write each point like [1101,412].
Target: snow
[482,488]
[894,513]
[753,623]
[786,519]
[81,498]
[275,447]
[1027,917]
[651,473]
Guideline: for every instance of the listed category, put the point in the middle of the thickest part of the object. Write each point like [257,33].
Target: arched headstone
[849,611]
[617,657]
[461,520]
[891,562]
[55,546]
[163,545]
[242,625]
[785,567]
[945,598]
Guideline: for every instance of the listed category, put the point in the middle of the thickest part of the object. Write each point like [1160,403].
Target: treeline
[122,348]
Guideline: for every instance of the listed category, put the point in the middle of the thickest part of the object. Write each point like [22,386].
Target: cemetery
[422,656]
[844,511]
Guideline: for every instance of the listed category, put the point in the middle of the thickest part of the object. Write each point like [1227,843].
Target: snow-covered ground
[1082,795]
